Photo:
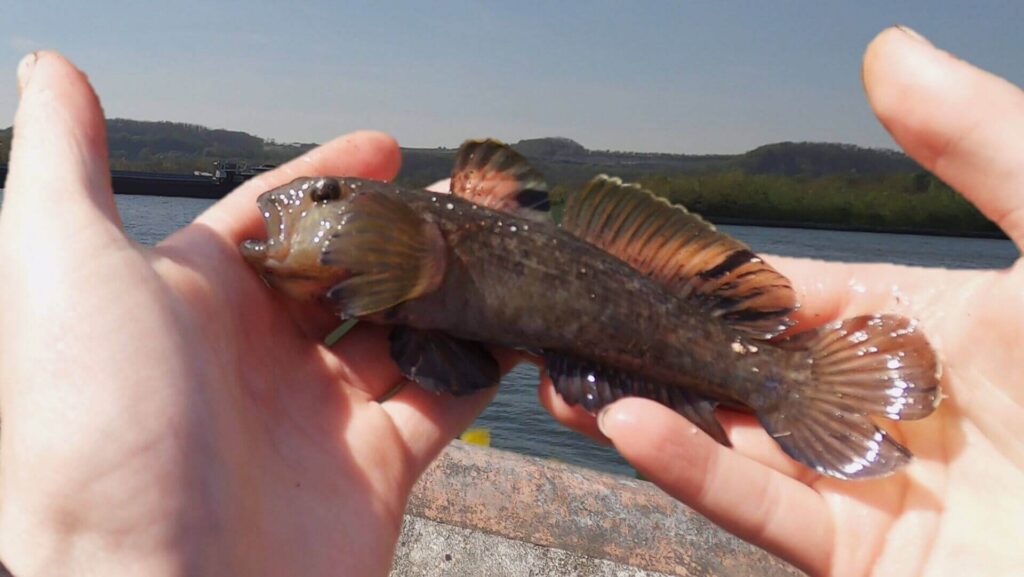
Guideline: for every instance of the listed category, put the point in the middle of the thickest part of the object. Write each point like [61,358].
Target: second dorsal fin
[491,174]
[684,251]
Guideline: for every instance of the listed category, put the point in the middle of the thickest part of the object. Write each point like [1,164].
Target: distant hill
[785,183]
[563,160]
[171,147]
[178,147]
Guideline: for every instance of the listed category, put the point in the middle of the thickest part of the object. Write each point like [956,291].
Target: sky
[682,77]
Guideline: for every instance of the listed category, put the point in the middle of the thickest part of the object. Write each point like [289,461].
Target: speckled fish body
[628,296]
[512,282]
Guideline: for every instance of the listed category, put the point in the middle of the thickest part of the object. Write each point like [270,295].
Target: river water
[516,420]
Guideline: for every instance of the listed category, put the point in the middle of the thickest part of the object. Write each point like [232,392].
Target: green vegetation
[916,201]
[820,184]
[174,147]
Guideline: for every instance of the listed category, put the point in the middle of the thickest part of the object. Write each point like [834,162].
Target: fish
[628,295]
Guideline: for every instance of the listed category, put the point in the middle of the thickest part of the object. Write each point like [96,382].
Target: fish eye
[325,189]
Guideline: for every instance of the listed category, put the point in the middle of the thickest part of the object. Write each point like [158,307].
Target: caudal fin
[861,367]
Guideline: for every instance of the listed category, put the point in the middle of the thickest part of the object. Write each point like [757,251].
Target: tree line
[819,183]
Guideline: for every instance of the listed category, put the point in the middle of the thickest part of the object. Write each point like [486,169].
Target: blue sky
[691,77]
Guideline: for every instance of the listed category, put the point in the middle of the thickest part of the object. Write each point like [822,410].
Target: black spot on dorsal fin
[685,252]
[491,174]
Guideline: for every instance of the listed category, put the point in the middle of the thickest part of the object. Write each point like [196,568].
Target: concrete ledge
[483,511]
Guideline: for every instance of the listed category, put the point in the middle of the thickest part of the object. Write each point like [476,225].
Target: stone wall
[480,511]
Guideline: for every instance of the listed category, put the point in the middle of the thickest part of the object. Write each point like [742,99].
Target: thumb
[59,176]
[959,122]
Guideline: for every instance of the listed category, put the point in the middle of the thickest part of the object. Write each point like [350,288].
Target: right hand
[959,508]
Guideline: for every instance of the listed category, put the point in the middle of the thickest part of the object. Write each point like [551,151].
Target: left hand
[164,412]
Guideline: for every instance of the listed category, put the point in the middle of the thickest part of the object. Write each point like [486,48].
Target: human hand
[164,412]
[958,509]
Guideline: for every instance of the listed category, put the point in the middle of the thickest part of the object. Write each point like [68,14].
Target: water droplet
[583,271]
[472,206]
[593,296]
[513,228]
[449,206]
[526,227]
[433,199]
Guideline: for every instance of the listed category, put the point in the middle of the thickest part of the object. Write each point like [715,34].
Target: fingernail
[912,33]
[25,68]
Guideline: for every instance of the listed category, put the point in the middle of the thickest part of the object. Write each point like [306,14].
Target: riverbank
[857,228]
[205,187]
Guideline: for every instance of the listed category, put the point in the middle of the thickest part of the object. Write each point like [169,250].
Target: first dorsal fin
[683,251]
[491,174]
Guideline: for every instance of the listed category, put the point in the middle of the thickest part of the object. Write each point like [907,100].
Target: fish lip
[254,252]
[275,248]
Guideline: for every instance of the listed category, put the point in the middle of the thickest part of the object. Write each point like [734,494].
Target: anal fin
[593,387]
[442,363]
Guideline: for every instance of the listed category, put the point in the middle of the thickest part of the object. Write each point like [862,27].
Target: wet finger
[573,417]
[371,155]
[750,439]
[958,121]
[59,173]
[746,498]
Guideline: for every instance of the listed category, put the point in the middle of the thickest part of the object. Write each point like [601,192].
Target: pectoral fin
[441,363]
[390,253]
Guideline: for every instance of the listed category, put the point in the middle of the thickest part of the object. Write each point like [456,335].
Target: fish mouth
[273,205]
[255,252]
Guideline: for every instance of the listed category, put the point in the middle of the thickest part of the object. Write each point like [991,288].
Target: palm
[920,522]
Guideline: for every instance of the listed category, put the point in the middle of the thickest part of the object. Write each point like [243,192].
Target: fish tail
[878,365]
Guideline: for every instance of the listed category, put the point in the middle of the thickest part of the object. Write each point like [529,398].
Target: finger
[750,439]
[370,155]
[959,122]
[364,355]
[754,502]
[59,176]
[427,422]
[573,417]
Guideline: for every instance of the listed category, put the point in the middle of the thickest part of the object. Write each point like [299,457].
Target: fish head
[301,218]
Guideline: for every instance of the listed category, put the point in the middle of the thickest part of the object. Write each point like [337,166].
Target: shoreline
[734,221]
[188,186]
